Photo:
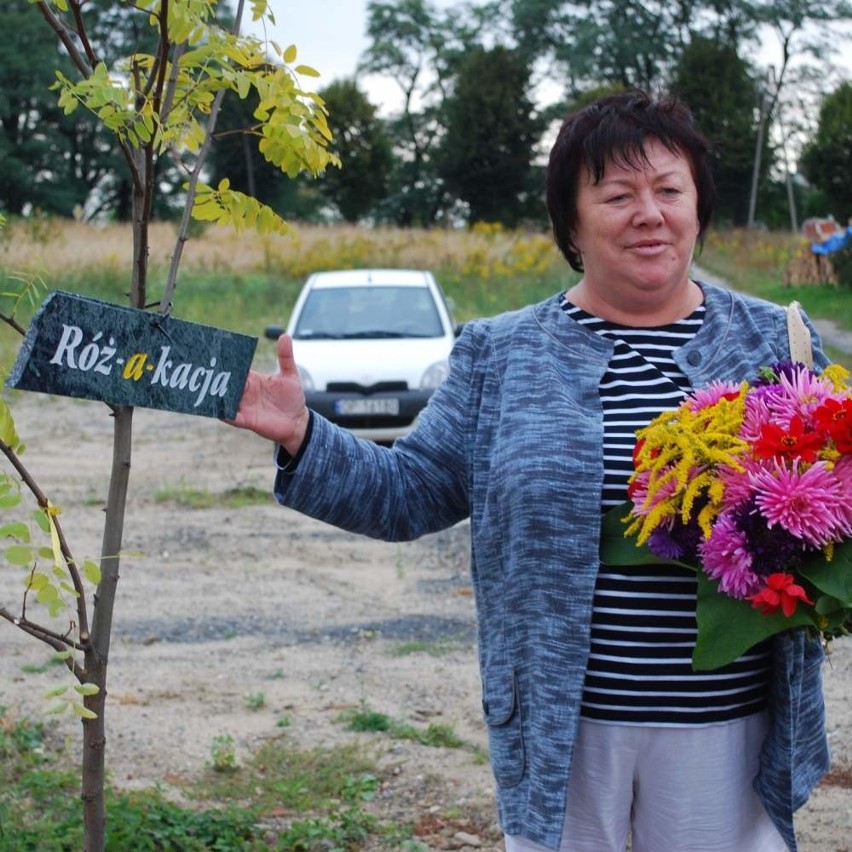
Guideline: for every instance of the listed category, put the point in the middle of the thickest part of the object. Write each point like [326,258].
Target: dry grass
[53,249]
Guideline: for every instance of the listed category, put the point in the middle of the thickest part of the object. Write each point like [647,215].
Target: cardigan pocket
[502,710]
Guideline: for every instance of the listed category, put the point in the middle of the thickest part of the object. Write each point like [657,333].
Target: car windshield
[350,313]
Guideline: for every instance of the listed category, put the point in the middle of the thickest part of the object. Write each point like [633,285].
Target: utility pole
[788,176]
[758,148]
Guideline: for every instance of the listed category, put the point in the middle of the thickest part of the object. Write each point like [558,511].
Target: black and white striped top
[643,619]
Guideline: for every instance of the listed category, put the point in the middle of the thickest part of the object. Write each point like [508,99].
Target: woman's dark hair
[616,129]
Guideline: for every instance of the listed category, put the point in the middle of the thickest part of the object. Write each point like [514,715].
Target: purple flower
[726,558]
[772,549]
[661,542]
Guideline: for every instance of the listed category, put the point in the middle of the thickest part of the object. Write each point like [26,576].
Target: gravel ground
[216,605]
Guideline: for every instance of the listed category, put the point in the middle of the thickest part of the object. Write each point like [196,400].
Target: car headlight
[434,375]
[305,379]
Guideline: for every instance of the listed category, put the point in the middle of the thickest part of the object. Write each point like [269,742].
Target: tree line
[482,86]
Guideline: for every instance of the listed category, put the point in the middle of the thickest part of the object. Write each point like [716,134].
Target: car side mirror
[273,332]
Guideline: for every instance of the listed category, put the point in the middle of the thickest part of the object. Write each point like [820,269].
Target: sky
[331,35]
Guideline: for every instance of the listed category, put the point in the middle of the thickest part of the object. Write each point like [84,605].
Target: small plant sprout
[223,753]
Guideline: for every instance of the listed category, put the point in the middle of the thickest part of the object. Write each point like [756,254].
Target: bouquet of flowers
[750,485]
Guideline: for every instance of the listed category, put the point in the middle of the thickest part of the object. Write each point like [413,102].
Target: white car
[371,346]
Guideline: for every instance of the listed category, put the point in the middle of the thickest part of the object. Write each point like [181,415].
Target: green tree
[407,45]
[52,161]
[491,136]
[151,103]
[31,146]
[827,158]
[362,144]
[419,46]
[721,91]
[618,43]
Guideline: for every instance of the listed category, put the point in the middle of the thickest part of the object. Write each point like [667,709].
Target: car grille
[372,422]
[354,387]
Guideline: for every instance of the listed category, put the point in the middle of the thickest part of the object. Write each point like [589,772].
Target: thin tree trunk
[97,657]
[94,730]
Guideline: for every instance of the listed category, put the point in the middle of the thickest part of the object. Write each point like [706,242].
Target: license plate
[380,405]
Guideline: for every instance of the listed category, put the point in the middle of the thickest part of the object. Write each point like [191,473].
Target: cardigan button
[694,358]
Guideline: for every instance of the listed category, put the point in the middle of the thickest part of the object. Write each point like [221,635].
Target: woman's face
[636,231]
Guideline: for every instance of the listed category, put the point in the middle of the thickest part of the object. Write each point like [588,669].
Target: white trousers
[667,789]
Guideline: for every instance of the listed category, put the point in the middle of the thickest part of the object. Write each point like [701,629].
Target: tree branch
[64,34]
[77,11]
[10,320]
[57,641]
[186,218]
[70,562]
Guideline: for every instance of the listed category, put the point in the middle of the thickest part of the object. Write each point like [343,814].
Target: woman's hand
[273,406]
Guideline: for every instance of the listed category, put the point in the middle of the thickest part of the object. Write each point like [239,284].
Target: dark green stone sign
[91,349]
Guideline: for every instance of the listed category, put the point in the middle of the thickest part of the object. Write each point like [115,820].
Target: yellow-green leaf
[83,712]
[15,529]
[55,543]
[41,519]
[87,688]
[38,581]
[92,571]
[7,425]
[69,589]
[307,71]
[17,554]
[55,606]
[290,54]
[56,691]
[47,594]
[243,85]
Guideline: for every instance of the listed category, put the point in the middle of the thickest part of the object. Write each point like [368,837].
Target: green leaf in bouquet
[831,615]
[827,605]
[728,627]
[832,578]
[618,550]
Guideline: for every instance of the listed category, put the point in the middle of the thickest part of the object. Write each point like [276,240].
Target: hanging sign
[81,347]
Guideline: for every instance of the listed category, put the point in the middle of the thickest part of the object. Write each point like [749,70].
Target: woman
[599,730]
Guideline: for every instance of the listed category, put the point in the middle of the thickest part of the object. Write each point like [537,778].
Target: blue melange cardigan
[513,441]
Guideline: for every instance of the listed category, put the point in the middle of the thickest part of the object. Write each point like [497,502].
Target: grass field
[486,269]
[244,282]
[240,280]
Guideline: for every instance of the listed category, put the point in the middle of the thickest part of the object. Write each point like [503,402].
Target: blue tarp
[834,243]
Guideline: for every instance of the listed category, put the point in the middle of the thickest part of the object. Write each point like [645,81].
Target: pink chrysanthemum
[756,414]
[738,485]
[808,504]
[711,394]
[726,558]
[798,391]
[843,474]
